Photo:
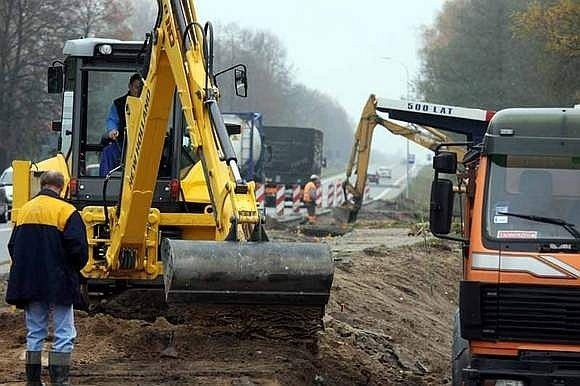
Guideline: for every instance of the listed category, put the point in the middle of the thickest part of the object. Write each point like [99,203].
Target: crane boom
[425,121]
[181,64]
[181,210]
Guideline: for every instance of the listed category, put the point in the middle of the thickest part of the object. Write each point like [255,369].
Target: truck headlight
[105,49]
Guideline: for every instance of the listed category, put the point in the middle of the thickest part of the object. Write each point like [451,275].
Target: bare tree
[32,34]
[274,92]
[143,17]
[104,18]
[28,40]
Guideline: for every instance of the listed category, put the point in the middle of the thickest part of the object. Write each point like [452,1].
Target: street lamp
[407,85]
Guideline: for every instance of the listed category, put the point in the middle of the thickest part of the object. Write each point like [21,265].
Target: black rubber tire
[460,355]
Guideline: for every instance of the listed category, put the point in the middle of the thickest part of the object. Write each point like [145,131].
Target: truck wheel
[460,355]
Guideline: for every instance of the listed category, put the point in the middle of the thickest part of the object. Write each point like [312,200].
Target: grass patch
[419,195]
[420,189]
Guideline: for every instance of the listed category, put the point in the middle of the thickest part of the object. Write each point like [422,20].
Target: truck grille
[530,313]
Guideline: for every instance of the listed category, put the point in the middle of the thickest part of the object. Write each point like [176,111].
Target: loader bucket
[345,214]
[247,273]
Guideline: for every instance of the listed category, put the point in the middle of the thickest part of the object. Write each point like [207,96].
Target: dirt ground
[388,323]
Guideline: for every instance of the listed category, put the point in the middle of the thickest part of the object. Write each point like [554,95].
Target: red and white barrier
[330,195]
[296,202]
[280,196]
[261,194]
[339,193]
[319,197]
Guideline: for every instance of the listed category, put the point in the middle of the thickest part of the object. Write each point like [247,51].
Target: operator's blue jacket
[48,248]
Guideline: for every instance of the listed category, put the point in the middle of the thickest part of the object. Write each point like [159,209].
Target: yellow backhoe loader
[176,211]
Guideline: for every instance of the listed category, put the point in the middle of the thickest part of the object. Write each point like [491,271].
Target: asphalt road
[389,188]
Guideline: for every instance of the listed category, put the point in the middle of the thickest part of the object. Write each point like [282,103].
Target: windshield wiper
[571,228]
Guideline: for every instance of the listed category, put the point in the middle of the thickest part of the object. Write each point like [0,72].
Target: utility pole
[407,156]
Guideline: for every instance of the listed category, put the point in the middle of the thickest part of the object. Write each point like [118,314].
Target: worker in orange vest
[309,197]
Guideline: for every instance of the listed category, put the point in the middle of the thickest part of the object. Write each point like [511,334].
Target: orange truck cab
[518,322]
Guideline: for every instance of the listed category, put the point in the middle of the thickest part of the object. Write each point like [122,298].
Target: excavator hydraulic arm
[180,57]
[418,115]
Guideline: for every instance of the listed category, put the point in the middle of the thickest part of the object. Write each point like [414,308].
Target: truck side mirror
[445,162]
[441,210]
[241,82]
[55,79]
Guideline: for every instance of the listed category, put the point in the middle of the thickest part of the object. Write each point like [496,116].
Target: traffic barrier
[261,194]
[280,196]
[330,195]
[339,193]
[367,195]
[319,197]
[296,202]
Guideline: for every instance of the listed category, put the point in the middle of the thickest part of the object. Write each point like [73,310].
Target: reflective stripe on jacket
[48,248]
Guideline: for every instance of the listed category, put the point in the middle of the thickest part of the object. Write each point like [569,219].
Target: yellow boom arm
[177,60]
[358,163]
[208,244]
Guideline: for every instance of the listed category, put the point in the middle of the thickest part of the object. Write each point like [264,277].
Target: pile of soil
[388,323]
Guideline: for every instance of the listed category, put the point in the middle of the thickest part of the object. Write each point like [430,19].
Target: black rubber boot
[33,368]
[59,368]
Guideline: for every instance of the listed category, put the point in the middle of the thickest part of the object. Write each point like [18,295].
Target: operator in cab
[112,140]
[309,198]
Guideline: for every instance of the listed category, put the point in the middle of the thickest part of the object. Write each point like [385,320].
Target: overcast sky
[338,46]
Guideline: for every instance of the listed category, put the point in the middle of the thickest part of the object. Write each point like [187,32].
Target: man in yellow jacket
[309,197]
[48,248]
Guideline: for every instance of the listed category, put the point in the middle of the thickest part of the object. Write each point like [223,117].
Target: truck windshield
[543,186]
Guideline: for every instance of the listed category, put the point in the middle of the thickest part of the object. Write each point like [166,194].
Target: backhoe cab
[93,74]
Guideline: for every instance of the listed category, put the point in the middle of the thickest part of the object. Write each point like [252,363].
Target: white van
[384,172]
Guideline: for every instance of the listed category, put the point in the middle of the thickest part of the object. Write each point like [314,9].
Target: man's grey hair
[52,178]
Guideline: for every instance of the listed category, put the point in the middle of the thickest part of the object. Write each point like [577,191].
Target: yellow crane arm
[178,60]
[358,163]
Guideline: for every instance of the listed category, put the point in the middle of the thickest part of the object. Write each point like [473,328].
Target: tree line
[275,93]
[33,33]
[481,53]
[496,54]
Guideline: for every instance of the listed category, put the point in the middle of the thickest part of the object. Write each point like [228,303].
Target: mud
[388,322]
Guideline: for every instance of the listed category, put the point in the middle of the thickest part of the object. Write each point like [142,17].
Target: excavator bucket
[247,273]
[345,214]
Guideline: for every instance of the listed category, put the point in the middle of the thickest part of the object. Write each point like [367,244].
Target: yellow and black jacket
[48,248]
